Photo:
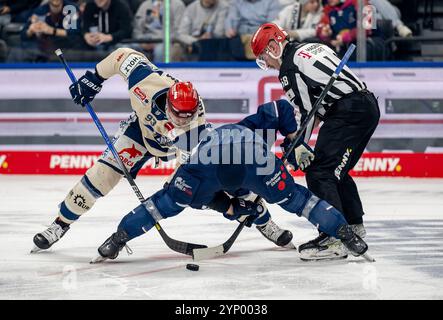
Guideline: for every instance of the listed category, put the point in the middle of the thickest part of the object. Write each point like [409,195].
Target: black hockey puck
[192,267]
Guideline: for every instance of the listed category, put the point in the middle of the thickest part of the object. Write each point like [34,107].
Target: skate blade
[314,255]
[368,257]
[35,249]
[323,258]
[290,245]
[98,259]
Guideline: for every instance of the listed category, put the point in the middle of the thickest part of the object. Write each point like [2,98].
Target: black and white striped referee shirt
[306,69]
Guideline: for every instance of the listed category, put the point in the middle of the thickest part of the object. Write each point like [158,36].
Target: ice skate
[111,248]
[51,235]
[274,233]
[353,242]
[324,247]
[359,229]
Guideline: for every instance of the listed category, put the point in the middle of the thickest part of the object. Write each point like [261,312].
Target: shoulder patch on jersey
[184,188]
[130,63]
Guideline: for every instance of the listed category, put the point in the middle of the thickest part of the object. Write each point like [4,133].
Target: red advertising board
[425,165]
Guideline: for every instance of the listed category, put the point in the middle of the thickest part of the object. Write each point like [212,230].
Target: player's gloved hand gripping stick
[176,245]
[206,253]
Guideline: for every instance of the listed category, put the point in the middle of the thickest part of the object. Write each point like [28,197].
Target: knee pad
[101,178]
[137,222]
[296,200]
[96,183]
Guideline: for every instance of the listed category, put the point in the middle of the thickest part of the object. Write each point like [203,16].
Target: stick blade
[207,253]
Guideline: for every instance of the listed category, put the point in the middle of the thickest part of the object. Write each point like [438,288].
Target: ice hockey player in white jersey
[166,113]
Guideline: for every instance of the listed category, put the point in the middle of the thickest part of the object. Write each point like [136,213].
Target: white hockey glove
[304,155]
[301,157]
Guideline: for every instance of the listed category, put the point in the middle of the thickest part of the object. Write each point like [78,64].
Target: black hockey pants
[348,126]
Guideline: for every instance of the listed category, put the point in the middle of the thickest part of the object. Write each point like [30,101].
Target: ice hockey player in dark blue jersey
[229,159]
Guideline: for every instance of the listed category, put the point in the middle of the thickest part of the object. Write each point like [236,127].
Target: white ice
[404,220]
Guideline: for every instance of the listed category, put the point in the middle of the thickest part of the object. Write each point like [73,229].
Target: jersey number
[151,119]
[284,81]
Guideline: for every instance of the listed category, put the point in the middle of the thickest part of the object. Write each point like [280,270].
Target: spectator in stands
[202,19]
[48,28]
[134,5]
[188,2]
[338,25]
[82,5]
[16,10]
[245,16]
[149,25]
[105,23]
[386,11]
[300,19]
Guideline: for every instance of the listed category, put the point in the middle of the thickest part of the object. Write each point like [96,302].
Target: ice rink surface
[404,221]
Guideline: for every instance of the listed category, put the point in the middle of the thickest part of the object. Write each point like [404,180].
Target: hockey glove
[301,157]
[85,89]
[243,208]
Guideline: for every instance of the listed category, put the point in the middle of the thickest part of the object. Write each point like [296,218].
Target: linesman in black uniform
[349,113]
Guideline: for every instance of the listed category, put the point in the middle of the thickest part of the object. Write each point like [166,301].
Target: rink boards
[425,165]
[42,131]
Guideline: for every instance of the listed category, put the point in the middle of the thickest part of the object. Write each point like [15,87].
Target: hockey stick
[207,253]
[176,245]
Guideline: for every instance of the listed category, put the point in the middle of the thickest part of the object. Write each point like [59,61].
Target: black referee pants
[344,135]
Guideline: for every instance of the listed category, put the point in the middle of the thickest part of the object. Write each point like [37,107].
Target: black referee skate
[44,240]
[111,248]
[274,233]
[355,245]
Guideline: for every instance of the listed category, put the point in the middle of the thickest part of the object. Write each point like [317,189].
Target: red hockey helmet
[260,40]
[182,103]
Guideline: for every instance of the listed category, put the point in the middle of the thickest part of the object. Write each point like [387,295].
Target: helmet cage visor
[180,118]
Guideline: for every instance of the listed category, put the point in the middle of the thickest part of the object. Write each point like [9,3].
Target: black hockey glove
[244,208]
[85,89]
[301,157]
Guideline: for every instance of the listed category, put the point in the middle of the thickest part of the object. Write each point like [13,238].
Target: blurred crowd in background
[202,30]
